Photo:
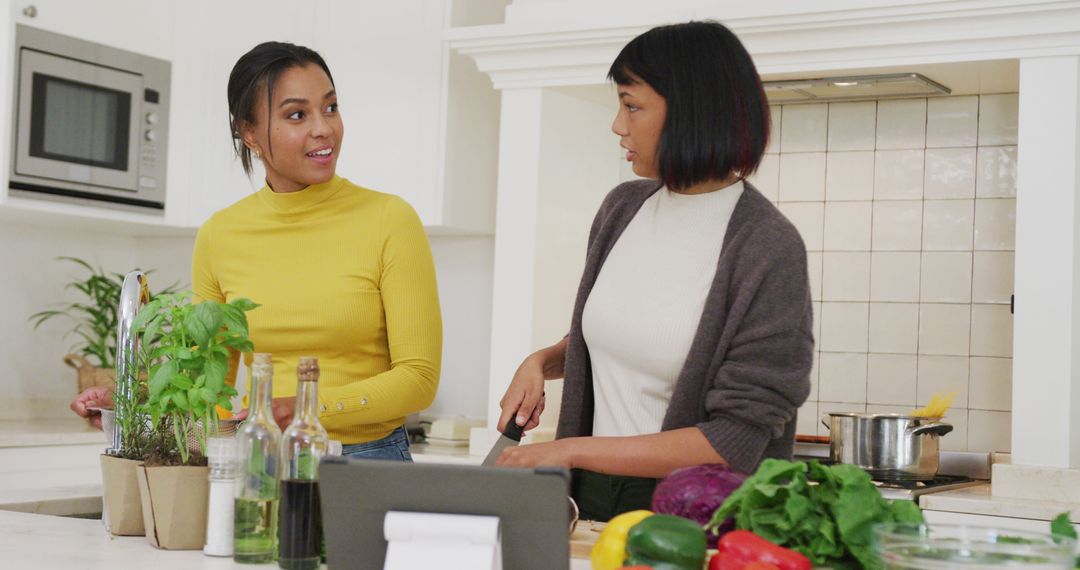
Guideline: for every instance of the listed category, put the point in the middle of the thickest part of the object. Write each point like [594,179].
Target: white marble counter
[427,453]
[45,543]
[977,500]
[61,431]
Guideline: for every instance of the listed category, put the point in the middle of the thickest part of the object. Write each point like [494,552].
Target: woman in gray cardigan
[690,340]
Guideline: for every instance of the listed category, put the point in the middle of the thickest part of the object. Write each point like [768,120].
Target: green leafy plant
[824,512]
[1061,529]
[94,316]
[186,355]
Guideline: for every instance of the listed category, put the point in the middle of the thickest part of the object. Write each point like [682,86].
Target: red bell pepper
[739,549]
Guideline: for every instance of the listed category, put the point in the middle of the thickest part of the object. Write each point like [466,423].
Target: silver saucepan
[891,447]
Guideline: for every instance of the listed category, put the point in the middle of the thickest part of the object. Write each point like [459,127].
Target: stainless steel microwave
[91,123]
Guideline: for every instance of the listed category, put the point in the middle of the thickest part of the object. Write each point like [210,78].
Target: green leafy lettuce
[824,512]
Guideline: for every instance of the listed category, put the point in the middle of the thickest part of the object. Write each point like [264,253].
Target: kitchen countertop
[59,431]
[47,542]
[978,500]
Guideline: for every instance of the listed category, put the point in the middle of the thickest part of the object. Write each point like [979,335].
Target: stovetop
[958,469]
[912,490]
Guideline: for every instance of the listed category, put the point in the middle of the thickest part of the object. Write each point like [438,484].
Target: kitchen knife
[509,437]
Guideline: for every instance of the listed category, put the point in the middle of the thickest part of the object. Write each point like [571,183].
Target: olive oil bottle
[258,443]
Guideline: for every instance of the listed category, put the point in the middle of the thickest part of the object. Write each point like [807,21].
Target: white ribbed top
[644,309]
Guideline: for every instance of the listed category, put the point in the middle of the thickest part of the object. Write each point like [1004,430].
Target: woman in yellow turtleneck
[341,272]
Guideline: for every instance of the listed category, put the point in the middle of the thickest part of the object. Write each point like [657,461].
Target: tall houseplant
[186,355]
[93,318]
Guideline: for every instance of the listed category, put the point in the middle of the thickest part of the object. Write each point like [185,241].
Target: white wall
[464,268]
[34,382]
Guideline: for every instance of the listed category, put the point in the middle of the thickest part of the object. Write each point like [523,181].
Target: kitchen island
[46,542]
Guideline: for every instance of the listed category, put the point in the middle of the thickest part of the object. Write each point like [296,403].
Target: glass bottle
[258,441]
[303,444]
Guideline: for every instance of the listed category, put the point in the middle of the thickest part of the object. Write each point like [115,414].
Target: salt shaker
[221,456]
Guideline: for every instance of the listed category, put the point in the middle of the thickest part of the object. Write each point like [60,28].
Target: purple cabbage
[695,493]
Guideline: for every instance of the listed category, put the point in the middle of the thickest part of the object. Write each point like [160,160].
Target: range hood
[853,88]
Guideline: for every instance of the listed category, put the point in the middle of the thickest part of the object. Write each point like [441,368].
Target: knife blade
[509,437]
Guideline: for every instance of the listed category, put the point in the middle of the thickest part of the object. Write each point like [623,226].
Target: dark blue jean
[394,447]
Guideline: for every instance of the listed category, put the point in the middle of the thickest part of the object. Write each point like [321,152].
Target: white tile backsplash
[950,173]
[944,328]
[894,276]
[804,128]
[952,122]
[851,126]
[897,226]
[991,330]
[898,174]
[849,175]
[775,128]
[808,419]
[992,276]
[814,268]
[947,225]
[991,384]
[846,276]
[802,177]
[894,328]
[843,377]
[946,277]
[995,224]
[847,226]
[891,379]
[942,375]
[998,119]
[996,172]
[957,439]
[809,219]
[767,177]
[907,208]
[989,431]
[844,327]
[901,124]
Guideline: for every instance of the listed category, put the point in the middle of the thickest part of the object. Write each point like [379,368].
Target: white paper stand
[423,540]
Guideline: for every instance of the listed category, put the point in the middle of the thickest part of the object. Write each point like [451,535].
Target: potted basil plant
[186,354]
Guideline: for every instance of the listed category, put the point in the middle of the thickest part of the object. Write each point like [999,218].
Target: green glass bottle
[258,442]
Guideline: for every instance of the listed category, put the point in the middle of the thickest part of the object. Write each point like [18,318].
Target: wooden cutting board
[585,535]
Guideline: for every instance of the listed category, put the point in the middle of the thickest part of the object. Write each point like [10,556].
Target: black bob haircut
[717,122]
[255,72]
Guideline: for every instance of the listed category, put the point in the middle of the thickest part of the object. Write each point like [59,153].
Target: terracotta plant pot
[174,504]
[90,375]
[120,496]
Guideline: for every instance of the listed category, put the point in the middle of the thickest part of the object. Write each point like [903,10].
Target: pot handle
[933,429]
[825,422]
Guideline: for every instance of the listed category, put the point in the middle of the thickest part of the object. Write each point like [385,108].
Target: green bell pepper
[666,542]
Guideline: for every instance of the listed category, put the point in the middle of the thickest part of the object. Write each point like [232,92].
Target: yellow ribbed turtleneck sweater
[342,273]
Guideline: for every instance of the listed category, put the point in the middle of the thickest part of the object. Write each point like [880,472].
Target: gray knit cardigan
[748,369]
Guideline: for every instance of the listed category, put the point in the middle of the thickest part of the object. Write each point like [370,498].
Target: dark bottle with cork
[303,444]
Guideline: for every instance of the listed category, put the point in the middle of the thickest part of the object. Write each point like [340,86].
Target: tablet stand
[436,540]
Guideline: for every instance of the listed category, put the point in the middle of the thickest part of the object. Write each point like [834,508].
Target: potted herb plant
[94,323]
[186,355]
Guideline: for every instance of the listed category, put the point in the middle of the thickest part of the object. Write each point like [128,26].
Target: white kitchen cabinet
[204,173]
[144,26]
[420,123]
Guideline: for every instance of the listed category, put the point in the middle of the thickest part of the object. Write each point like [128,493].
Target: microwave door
[77,122]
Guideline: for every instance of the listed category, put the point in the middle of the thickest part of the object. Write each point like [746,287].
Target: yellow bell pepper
[610,549]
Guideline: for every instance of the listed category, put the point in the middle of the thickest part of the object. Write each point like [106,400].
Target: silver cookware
[891,447]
